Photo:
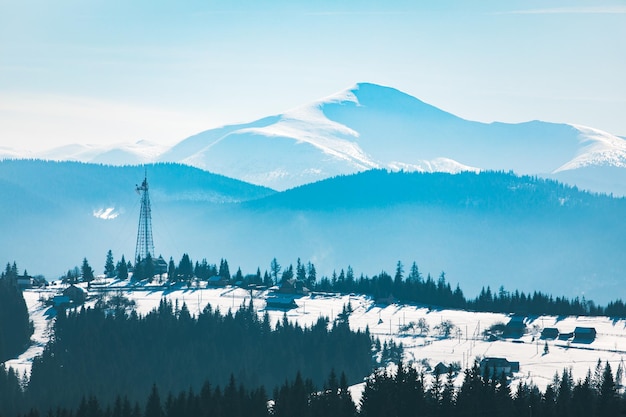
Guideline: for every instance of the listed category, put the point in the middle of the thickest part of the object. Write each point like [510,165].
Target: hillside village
[526,348]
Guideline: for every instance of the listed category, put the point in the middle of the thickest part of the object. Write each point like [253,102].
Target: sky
[119,71]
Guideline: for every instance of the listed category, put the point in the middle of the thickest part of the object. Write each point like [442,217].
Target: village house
[217,281]
[293,286]
[77,295]
[550,333]
[494,367]
[281,303]
[584,334]
[515,328]
[441,369]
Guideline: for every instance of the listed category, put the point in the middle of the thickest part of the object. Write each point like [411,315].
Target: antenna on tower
[145,244]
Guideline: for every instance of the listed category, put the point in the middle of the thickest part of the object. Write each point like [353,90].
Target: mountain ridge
[487,228]
[368,126]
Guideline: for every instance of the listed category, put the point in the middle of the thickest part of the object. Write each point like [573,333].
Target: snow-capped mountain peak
[434,165]
[371,126]
[598,148]
[309,124]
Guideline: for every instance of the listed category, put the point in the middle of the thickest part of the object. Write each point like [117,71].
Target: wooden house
[494,367]
[584,334]
[280,303]
[77,295]
[550,333]
[515,328]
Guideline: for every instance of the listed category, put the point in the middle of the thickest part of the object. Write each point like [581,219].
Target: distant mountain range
[370,126]
[482,228]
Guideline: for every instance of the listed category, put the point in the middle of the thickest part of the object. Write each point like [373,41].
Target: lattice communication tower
[145,244]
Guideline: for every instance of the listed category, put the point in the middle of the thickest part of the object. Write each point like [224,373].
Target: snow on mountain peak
[344,96]
[447,165]
[598,148]
[368,126]
[310,125]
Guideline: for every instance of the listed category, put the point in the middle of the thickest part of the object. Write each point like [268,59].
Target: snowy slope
[372,126]
[115,154]
[598,148]
[387,322]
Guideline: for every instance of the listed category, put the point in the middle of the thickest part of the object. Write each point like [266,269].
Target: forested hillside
[403,393]
[483,229]
[486,192]
[97,353]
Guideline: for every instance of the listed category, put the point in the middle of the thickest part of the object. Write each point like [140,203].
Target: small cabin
[441,369]
[77,295]
[584,334]
[566,336]
[25,281]
[550,333]
[217,281]
[515,328]
[293,286]
[494,367]
[280,303]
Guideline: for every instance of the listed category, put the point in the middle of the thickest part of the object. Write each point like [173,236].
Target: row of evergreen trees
[412,287]
[406,392]
[93,349]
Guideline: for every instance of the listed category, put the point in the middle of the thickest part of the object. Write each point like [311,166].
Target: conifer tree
[148,267]
[171,270]
[185,268]
[608,404]
[311,276]
[109,265]
[87,271]
[224,271]
[300,271]
[447,396]
[238,276]
[275,270]
[153,405]
[122,269]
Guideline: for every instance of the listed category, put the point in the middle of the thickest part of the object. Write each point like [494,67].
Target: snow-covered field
[422,348]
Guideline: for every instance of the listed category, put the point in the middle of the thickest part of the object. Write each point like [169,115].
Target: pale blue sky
[119,70]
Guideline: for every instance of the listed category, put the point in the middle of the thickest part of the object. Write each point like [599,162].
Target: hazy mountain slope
[371,126]
[481,229]
[394,126]
[137,153]
[89,182]
[196,143]
[488,229]
[56,213]
[602,179]
[279,161]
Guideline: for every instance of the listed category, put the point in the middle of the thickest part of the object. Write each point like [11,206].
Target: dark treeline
[411,287]
[406,392]
[415,288]
[497,191]
[94,351]
[15,325]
